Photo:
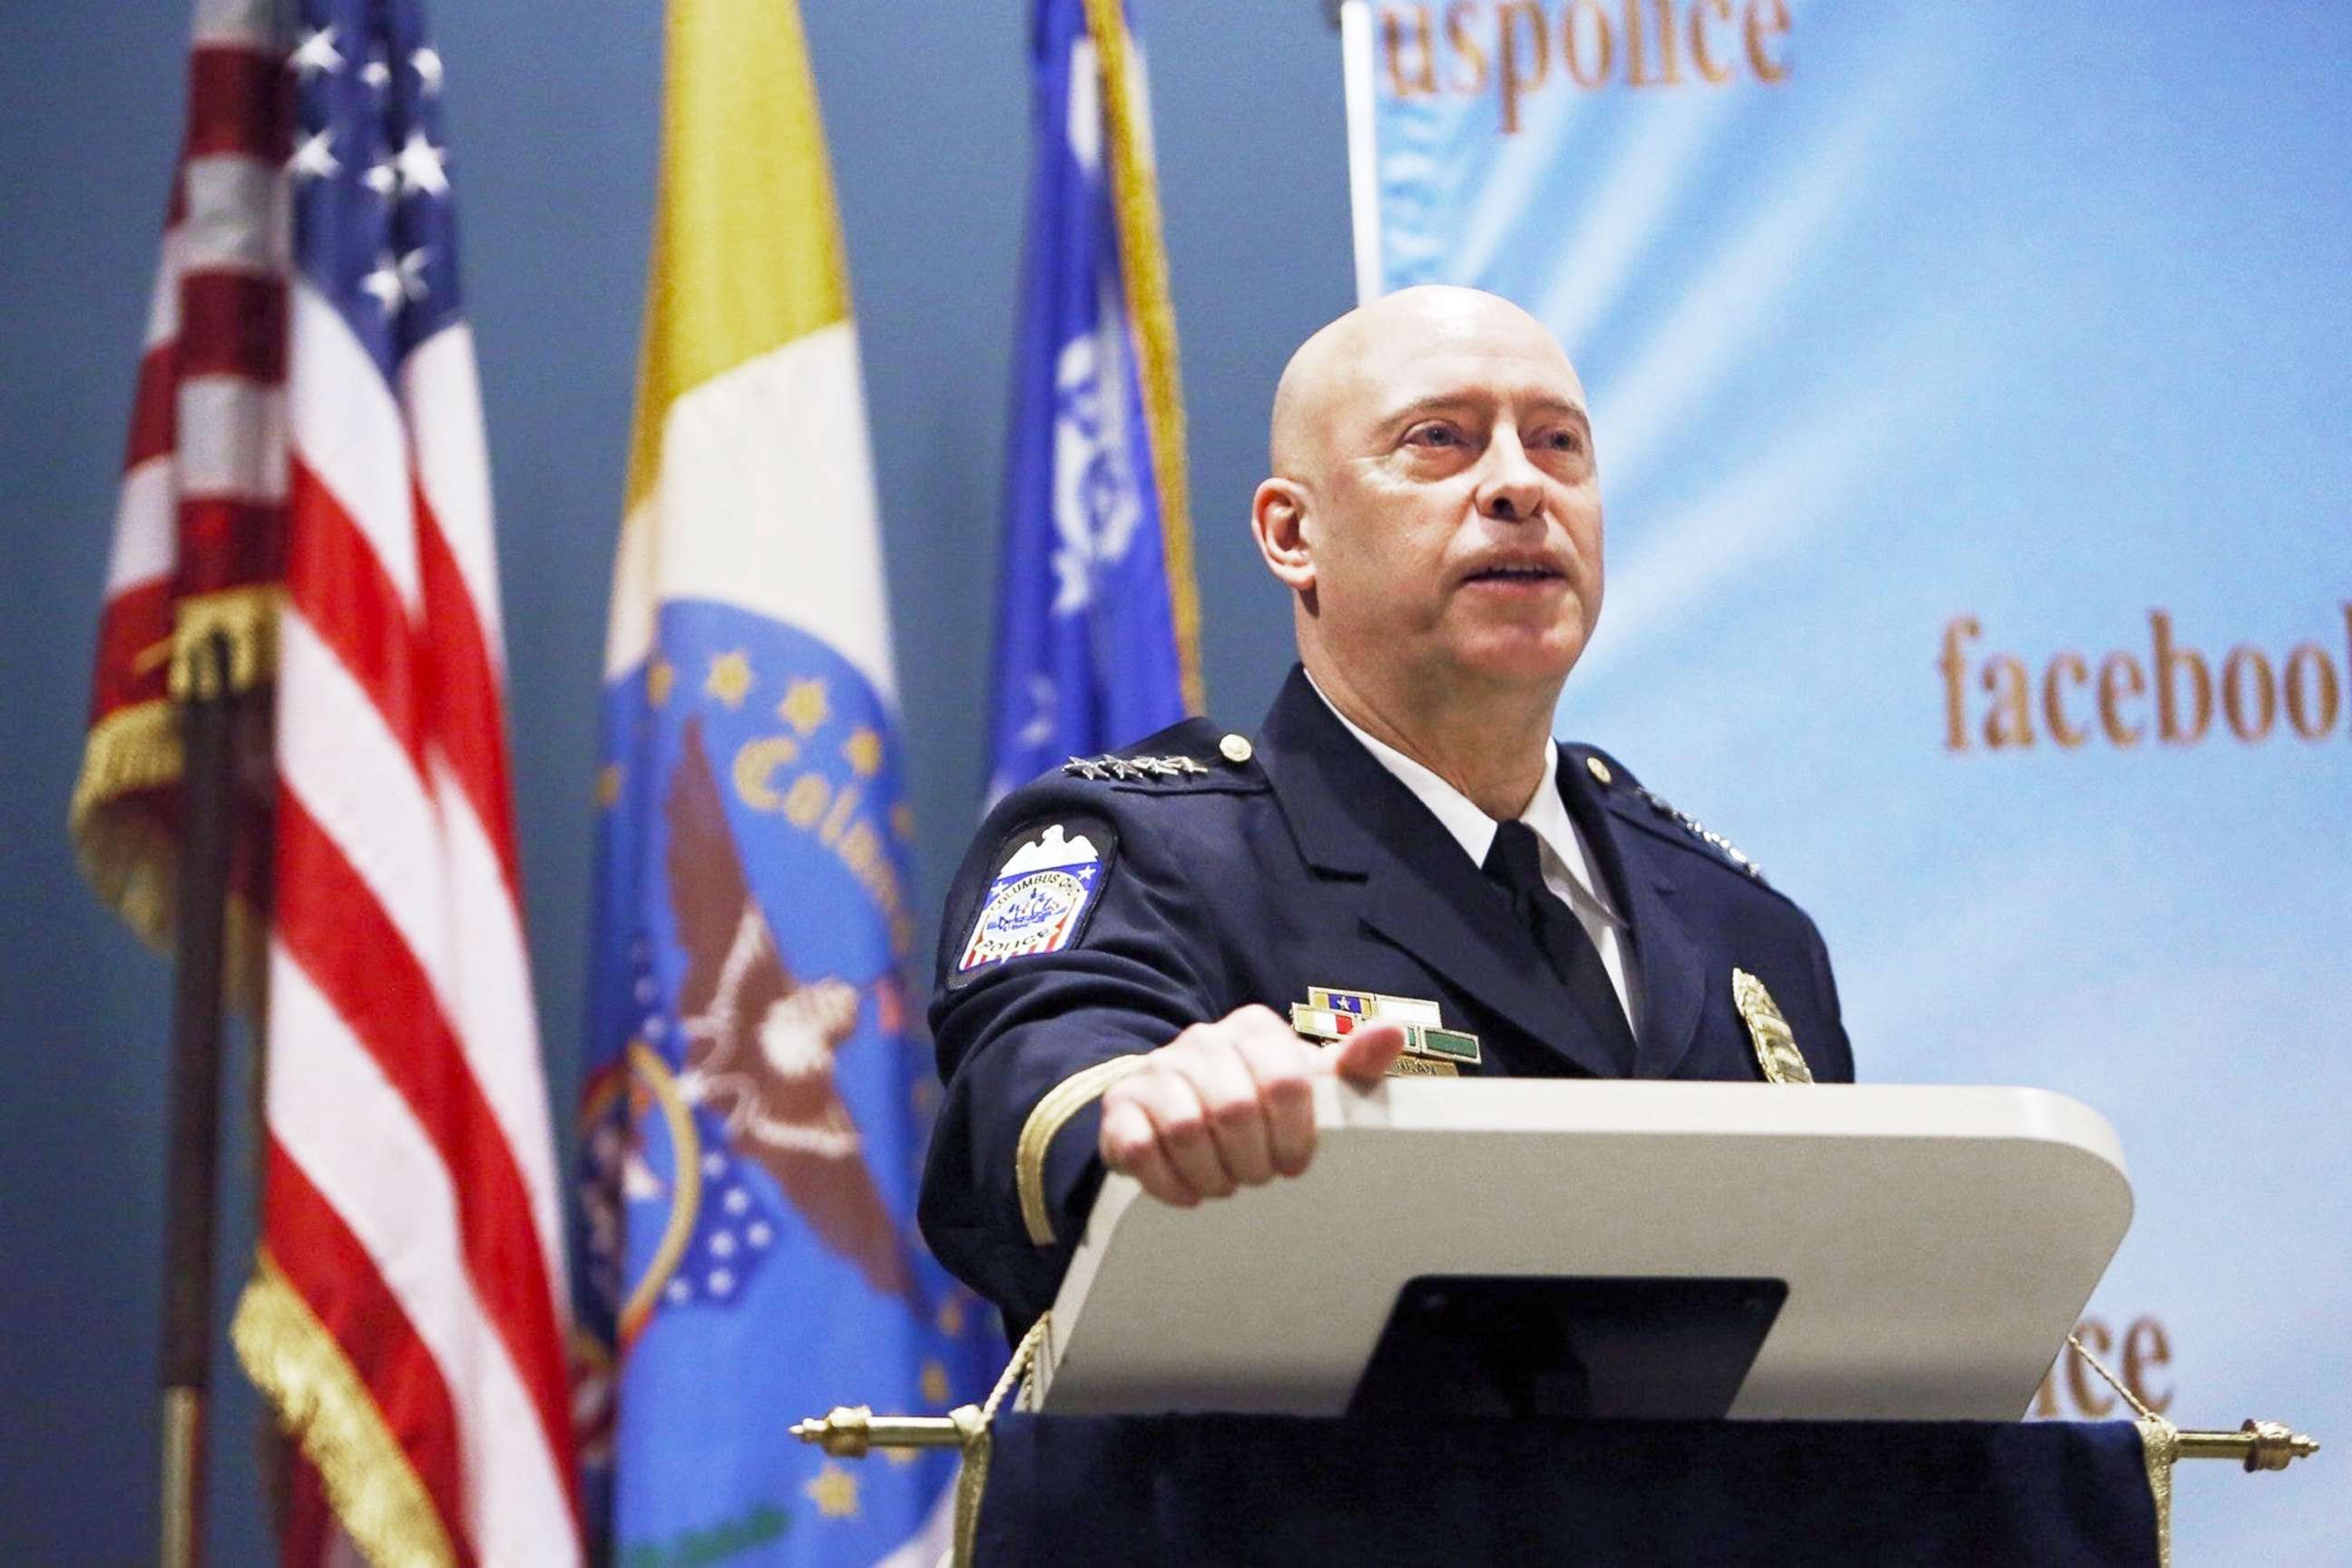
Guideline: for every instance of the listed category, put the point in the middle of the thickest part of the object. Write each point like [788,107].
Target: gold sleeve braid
[1052,1113]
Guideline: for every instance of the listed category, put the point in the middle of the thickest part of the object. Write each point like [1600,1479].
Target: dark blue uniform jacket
[1310,864]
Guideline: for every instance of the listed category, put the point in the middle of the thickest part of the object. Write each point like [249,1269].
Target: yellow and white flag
[749,1135]
[749,481]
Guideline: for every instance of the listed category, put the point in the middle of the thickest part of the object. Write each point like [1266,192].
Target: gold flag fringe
[127,854]
[247,617]
[131,859]
[1135,201]
[322,1405]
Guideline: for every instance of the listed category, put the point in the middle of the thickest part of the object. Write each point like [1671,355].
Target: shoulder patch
[1700,831]
[1045,886]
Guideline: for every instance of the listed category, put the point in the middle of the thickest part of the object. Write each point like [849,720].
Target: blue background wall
[552,114]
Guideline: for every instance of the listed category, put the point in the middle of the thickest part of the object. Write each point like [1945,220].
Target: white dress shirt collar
[1546,812]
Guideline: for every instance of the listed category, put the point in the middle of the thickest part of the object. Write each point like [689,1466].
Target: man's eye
[1563,441]
[1435,435]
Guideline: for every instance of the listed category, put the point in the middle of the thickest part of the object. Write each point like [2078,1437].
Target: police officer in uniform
[1147,956]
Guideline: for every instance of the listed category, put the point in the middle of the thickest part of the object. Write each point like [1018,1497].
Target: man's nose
[1511,490]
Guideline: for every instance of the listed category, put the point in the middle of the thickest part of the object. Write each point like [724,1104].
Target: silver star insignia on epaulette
[1703,833]
[1128,769]
[1102,767]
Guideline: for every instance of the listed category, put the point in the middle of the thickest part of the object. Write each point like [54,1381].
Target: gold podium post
[852,1431]
[2261,1445]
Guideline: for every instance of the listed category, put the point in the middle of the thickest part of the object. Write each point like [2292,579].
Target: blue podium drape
[1237,1490]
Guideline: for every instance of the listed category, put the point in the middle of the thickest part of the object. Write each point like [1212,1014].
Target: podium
[1831,1252]
[1724,1322]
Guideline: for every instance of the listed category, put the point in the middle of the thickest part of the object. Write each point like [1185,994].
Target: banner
[756,1084]
[1965,383]
[1097,618]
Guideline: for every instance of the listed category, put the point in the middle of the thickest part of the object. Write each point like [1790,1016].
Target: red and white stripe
[411,1199]
[404,1081]
[203,482]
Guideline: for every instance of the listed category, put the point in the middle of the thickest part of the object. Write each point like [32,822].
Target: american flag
[307,475]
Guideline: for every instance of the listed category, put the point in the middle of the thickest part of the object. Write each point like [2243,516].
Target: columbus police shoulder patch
[1040,898]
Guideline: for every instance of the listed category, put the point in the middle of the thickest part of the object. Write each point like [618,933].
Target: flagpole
[191,1178]
[1355,17]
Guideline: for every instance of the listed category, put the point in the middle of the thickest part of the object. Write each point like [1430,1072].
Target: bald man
[1149,956]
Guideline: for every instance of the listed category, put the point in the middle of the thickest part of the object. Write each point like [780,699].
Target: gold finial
[2259,1445]
[852,1431]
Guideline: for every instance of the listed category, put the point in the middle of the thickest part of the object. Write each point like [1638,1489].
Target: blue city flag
[1096,622]
[756,1091]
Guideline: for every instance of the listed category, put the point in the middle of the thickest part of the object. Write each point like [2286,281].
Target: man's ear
[1278,524]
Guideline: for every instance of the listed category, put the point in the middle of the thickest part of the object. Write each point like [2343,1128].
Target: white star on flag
[420,165]
[411,273]
[1039,728]
[316,53]
[426,62]
[315,158]
[376,73]
[381,178]
[384,284]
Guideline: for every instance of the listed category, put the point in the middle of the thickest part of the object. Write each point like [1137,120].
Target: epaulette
[1133,767]
[1606,776]
[1701,831]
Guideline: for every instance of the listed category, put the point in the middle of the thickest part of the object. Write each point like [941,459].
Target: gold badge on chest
[1776,1046]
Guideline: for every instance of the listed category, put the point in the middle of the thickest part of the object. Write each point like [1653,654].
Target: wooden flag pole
[191,1177]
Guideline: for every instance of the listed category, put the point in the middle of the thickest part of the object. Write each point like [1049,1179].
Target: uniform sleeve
[1028,1040]
[1838,1057]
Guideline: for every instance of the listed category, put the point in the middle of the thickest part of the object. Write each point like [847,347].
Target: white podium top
[1937,1244]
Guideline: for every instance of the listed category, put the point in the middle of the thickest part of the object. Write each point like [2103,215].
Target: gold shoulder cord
[1053,1114]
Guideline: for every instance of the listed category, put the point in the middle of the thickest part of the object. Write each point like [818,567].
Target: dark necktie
[1516,864]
